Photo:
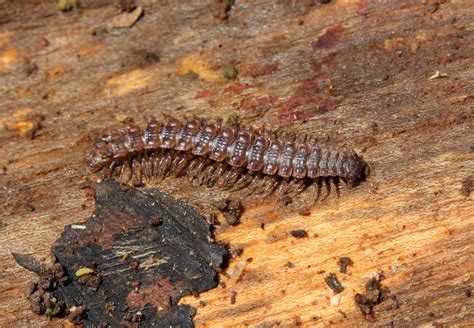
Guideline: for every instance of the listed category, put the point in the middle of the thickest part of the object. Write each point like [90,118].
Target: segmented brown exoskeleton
[231,157]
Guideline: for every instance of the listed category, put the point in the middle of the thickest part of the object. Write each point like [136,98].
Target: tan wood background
[392,79]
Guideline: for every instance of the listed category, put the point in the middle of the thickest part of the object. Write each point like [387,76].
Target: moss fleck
[229,72]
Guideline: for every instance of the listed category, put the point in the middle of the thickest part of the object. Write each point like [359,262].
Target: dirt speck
[68,5]
[232,210]
[333,283]
[229,72]
[126,19]
[304,211]
[29,207]
[286,200]
[374,294]
[329,38]
[343,263]
[154,221]
[222,204]
[233,119]
[300,233]
[221,8]
[41,293]
[75,315]
[92,280]
[233,297]
[231,219]
[127,5]
[467,186]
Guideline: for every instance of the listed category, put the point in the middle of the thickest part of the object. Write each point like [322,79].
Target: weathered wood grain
[356,72]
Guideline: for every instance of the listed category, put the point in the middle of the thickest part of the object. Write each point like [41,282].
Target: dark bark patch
[175,258]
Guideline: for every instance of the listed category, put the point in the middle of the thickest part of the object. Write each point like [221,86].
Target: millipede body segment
[229,156]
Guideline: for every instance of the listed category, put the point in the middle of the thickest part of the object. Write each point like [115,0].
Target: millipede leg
[263,183]
[317,185]
[327,183]
[144,165]
[154,166]
[295,186]
[138,169]
[260,187]
[244,181]
[270,188]
[180,167]
[200,174]
[197,169]
[192,165]
[130,165]
[111,169]
[301,187]
[216,174]
[164,167]
[122,171]
[282,188]
[230,177]
[220,171]
[206,173]
[253,185]
[336,183]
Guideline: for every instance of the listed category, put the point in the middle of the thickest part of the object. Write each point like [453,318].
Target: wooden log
[393,80]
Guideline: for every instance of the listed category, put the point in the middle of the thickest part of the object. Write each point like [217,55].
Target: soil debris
[343,263]
[127,5]
[236,251]
[231,219]
[235,208]
[333,283]
[286,200]
[229,72]
[126,19]
[99,30]
[232,210]
[75,314]
[27,127]
[304,211]
[233,119]
[29,67]
[92,280]
[467,186]
[233,297]
[437,75]
[299,233]
[235,273]
[221,8]
[154,221]
[374,294]
[42,293]
[29,207]
[222,204]
[68,5]
[213,220]
[140,58]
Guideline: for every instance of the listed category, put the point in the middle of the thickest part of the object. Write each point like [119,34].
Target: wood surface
[394,80]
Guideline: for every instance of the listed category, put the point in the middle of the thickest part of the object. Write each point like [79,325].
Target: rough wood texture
[392,80]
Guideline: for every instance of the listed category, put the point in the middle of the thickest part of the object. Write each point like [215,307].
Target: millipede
[229,156]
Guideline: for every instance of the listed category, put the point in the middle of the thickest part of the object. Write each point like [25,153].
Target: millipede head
[358,170]
[99,157]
